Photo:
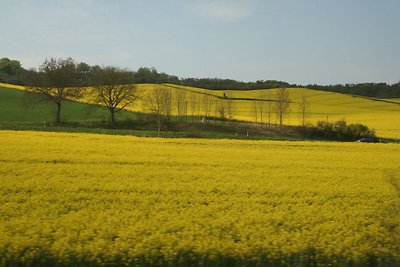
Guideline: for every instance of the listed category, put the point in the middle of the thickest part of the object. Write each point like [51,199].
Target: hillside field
[98,200]
[383,116]
[15,109]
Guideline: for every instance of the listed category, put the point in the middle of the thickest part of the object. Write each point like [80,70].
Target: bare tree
[269,112]
[282,104]
[229,108]
[157,102]
[198,106]
[112,88]
[224,109]
[261,107]
[220,110]
[167,103]
[181,102]
[255,111]
[304,107]
[206,105]
[193,104]
[56,81]
[264,107]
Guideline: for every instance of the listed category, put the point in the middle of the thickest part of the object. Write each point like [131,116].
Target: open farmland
[383,116]
[82,199]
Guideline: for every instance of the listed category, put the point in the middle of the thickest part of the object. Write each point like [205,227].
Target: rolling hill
[381,115]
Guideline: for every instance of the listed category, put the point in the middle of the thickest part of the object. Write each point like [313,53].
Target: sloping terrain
[381,115]
[16,107]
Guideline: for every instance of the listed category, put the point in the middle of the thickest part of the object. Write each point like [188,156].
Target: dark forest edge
[11,71]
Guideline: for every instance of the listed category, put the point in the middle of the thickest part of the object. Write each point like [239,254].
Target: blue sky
[298,41]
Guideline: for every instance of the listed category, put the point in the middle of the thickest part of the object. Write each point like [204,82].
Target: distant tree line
[11,71]
[147,75]
[377,90]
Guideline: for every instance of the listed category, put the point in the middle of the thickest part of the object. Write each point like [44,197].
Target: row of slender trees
[163,100]
[279,104]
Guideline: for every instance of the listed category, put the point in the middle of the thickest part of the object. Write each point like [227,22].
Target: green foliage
[11,71]
[340,130]
[147,75]
[86,73]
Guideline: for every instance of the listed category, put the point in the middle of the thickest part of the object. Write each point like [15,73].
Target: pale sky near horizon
[298,41]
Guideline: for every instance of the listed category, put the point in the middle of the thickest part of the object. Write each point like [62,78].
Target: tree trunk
[158,127]
[112,113]
[58,113]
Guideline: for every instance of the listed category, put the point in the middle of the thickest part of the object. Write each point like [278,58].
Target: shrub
[340,130]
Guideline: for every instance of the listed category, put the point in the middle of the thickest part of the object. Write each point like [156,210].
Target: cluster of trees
[58,80]
[160,102]
[340,130]
[11,71]
[278,104]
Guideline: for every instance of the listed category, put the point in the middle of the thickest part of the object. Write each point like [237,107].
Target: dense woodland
[11,71]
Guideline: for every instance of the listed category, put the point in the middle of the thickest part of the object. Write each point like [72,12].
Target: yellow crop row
[84,199]
[12,86]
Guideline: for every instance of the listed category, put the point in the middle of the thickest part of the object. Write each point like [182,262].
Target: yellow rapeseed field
[98,200]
